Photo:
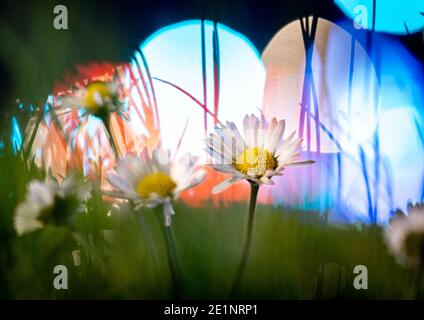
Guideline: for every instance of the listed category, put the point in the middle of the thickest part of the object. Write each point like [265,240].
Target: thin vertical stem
[171,252]
[110,137]
[254,188]
[33,134]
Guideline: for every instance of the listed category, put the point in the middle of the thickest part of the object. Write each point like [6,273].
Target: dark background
[33,55]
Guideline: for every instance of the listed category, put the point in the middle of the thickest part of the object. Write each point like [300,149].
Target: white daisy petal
[224,168]
[196,178]
[222,147]
[25,220]
[42,195]
[70,102]
[240,142]
[397,235]
[262,131]
[258,157]
[152,181]
[225,184]
[285,144]
[276,136]
[269,133]
[250,126]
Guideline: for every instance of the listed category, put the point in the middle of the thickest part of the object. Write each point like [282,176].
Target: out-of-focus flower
[405,236]
[50,203]
[98,98]
[155,180]
[260,155]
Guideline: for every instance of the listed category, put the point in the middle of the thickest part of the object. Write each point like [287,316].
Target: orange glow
[71,144]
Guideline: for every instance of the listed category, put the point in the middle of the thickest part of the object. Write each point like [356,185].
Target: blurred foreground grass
[294,255]
[285,260]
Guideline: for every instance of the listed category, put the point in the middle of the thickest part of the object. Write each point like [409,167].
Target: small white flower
[260,155]
[155,180]
[98,98]
[49,202]
[405,236]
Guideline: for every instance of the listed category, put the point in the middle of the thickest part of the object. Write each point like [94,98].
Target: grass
[285,261]
[294,254]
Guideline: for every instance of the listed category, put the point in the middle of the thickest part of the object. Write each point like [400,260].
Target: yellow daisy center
[94,93]
[158,182]
[255,162]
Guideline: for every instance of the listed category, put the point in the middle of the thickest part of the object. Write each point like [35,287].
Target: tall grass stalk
[27,152]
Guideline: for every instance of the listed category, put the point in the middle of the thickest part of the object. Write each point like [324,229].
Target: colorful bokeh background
[355,95]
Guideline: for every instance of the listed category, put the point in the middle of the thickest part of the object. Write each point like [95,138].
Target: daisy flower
[50,203]
[405,236]
[260,155]
[98,98]
[154,181]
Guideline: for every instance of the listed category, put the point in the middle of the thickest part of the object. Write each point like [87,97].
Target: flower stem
[169,238]
[112,143]
[144,231]
[254,188]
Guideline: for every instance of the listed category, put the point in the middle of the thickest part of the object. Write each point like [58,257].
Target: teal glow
[392,16]
[174,54]
[16,136]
